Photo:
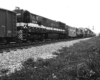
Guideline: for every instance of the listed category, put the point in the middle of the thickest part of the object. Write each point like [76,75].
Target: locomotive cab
[22,15]
[22,20]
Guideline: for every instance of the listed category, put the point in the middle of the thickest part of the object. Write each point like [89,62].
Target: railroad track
[14,46]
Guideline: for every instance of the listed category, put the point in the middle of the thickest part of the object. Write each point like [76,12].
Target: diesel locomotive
[22,26]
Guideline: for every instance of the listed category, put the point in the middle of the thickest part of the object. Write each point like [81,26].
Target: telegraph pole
[93,27]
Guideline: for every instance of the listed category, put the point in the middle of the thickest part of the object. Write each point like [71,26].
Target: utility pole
[93,27]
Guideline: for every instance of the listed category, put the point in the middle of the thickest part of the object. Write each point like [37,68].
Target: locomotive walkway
[12,60]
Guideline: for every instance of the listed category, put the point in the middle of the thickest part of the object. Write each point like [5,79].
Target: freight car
[22,26]
[89,33]
[72,32]
[7,26]
[79,32]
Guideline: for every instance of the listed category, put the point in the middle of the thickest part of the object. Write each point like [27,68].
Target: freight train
[22,26]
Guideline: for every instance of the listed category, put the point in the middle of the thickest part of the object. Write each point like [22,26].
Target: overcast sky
[76,13]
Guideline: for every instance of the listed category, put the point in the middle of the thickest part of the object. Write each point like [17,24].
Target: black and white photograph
[49,39]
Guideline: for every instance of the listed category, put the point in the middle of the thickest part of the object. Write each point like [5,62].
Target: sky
[76,13]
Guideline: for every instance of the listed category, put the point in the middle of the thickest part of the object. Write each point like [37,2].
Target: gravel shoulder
[13,59]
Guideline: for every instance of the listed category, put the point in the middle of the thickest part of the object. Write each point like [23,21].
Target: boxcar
[7,24]
[86,32]
[80,32]
[71,32]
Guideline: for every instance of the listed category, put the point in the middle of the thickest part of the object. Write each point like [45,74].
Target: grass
[78,62]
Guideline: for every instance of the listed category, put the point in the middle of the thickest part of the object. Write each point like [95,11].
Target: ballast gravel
[12,60]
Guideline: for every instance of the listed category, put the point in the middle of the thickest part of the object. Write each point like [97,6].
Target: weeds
[78,62]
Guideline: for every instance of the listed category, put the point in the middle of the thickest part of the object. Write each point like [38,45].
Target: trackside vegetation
[78,62]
